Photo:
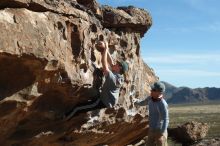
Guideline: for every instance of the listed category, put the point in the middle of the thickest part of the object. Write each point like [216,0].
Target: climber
[158,115]
[114,79]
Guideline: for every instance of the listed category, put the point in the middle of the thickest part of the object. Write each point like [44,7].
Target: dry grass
[207,113]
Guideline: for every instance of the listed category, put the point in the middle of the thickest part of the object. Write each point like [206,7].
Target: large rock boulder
[189,132]
[49,64]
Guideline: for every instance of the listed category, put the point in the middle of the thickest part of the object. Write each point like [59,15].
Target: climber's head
[121,67]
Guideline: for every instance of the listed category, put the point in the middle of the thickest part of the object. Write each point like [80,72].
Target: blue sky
[183,44]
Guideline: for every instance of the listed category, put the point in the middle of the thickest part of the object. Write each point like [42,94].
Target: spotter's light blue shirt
[158,113]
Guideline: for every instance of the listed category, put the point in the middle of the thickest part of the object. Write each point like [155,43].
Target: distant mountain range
[178,95]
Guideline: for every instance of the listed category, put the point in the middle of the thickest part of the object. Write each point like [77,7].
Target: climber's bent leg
[98,104]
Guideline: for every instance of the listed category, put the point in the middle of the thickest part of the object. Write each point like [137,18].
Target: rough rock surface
[49,62]
[189,132]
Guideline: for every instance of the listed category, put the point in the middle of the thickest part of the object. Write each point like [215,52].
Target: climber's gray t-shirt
[110,90]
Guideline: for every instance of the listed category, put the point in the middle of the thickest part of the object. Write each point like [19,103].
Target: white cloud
[211,27]
[196,3]
[183,59]
[207,6]
[178,29]
[188,72]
